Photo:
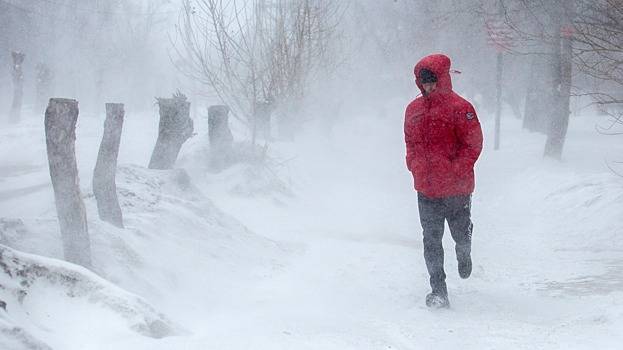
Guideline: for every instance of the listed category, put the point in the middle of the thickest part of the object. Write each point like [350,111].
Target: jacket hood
[439,64]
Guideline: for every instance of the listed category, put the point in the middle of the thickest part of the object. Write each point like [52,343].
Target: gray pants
[433,213]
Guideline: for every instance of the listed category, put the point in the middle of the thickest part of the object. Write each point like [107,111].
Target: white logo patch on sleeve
[470,115]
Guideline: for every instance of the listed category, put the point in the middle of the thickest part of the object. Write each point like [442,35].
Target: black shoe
[465,263]
[437,301]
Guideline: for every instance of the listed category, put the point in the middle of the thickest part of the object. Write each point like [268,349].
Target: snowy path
[358,279]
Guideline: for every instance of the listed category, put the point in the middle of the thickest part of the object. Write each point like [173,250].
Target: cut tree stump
[221,138]
[18,85]
[60,136]
[174,129]
[104,186]
[263,111]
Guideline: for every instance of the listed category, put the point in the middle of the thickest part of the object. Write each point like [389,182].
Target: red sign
[567,31]
[500,35]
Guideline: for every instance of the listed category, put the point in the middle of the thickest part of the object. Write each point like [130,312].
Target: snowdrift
[249,171]
[171,226]
[178,251]
[33,286]
[16,338]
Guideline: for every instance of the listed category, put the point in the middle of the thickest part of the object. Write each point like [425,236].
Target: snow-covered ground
[334,261]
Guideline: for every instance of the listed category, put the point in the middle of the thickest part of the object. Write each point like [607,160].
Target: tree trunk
[530,115]
[539,98]
[18,85]
[562,87]
[104,186]
[175,128]
[43,88]
[221,138]
[262,120]
[60,135]
[287,126]
[287,122]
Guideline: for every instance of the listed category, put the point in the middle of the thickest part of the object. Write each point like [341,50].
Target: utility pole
[499,38]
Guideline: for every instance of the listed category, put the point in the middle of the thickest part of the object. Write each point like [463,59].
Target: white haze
[320,247]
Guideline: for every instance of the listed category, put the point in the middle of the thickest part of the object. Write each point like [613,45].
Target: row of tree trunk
[61,116]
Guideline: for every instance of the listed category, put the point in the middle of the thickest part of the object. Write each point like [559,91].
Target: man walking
[444,139]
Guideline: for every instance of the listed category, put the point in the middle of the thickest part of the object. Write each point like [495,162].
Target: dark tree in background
[114,44]
[539,94]
[563,55]
[221,138]
[545,32]
[17,73]
[43,85]
[263,113]
[579,39]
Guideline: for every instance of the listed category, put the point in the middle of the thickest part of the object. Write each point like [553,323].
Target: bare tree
[544,30]
[585,36]
[598,51]
[254,52]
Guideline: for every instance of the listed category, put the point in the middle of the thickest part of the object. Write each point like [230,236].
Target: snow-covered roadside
[178,251]
[50,298]
[546,275]
[545,248]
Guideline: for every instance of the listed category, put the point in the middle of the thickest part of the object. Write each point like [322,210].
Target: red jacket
[443,136]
